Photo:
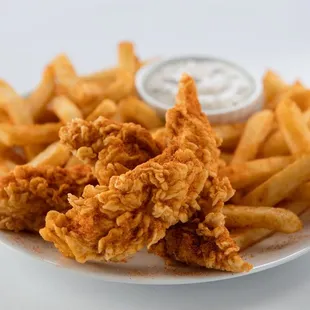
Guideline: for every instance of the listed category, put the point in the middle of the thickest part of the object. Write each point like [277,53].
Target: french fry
[70,84]
[6,166]
[55,154]
[73,161]
[105,76]
[273,85]
[15,155]
[126,57]
[275,145]
[281,184]
[246,237]
[302,192]
[277,219]
[47,116]
[33,150]
[14,105]
[39,98]
[107,108]
[121,87]
[227,157]
[4,117]
[134,110]
[255,171]
[230,135]
[302,99]
[114,84]
[256,130]
[65,109]
[67,81]
[236,199]
[29,134]
[288,93]
[293,127]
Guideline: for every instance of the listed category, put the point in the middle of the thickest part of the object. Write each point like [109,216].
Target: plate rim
[150,280]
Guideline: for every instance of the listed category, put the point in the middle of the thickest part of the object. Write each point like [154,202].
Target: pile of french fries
[267,159]
[29,125]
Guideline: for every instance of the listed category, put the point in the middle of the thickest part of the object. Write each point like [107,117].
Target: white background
[257,34]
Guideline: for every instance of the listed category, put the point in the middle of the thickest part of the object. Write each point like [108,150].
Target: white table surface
[257,34]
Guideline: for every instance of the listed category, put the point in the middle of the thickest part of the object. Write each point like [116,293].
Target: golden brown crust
[112,222]
[183,244]
[28,193]
[110,148]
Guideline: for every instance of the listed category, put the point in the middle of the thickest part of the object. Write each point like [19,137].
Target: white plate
[146,268]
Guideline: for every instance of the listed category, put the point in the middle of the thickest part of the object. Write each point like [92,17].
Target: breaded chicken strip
[110,148]
[28,193]
[111,223]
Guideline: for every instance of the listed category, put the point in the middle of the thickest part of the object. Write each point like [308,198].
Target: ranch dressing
[220,84]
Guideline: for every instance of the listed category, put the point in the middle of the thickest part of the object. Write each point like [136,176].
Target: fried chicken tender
[183,244]
[204,241]
[28,193]
[112,222]
[110,148]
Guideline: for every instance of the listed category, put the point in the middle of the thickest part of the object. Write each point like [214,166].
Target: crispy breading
[183,244]
[114,221]
[28,193]
[110,148]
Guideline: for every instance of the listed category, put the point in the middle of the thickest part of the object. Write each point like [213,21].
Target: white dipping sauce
[220,84]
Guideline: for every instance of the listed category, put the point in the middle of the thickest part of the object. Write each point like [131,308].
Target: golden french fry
[33,150]
[230,134]
[29,134]
[277,219]
[302,98]
[302,192]
[236,199]
[256,130]
[67,80]
[47,116]
[273,85]
[255,171]
[6,166]
[70,84]
[4,117]
[65,109]
[134,110]
[227,157]
[15,154]
[296,206]
[126,57]
[73,161]
[55,154]
[107,108]
[248,236]
[293,127]
[281,184]
[114,84]
[122,87]
[288,93]
[39,98]
[275,145]
[14,105]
